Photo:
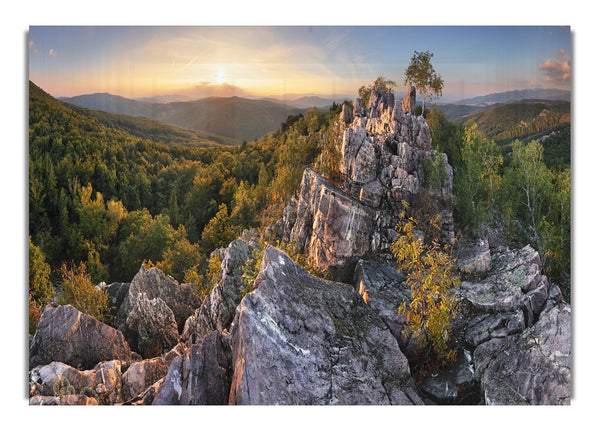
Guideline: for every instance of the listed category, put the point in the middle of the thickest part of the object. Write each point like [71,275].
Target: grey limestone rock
[202,376]
[298,339]
[218,308]
[533,367]
[152,325]
[64,334]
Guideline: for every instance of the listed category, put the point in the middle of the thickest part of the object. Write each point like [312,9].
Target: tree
[478,180]
[386,86]
[422,75]
[532,181]
[40,287]
[218,232]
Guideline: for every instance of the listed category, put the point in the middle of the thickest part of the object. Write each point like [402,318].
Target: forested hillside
[112,200]
[154,130]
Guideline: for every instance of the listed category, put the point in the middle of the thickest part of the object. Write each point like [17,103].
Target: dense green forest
[106,194]
[112,200]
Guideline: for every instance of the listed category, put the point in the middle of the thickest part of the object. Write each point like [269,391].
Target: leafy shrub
[204,282]
[79,291]
[431,279]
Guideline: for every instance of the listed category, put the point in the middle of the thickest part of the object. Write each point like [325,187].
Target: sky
[262,61]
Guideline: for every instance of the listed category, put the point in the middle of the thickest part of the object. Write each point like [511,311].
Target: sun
[220,78]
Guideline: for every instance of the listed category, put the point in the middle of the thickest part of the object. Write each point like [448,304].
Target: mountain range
[515,95]
[232,117]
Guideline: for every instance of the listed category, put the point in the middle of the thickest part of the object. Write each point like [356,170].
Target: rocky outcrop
[152,326]
[515,283]
[382,288]
[474,259]
[455,385]
[409,101]
[154,311]
[218,308]
[64,334]
[182,299]
[384,152]
[533,367]
[520,332]
[117,292]
[202,376]
[298,339]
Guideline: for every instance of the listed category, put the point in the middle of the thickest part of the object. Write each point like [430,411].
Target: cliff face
[384,151]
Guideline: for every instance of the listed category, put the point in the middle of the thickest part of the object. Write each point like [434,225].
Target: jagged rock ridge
[383,152]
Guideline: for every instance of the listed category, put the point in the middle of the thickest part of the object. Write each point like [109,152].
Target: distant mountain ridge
[515,95]
[233,117]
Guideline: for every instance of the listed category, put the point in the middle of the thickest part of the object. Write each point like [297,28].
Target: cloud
[30,44]
[557,70]
[36,52]
[52,53]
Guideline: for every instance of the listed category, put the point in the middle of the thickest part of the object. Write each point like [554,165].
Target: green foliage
[445,136]
[78,290]
[218,232]
[423,76]
[434,171]
[478,179]
[40,287]
[430,276]
[35,312]
[204,282]
[180,255]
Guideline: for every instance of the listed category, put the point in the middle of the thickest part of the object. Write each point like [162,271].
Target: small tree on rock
[422,75]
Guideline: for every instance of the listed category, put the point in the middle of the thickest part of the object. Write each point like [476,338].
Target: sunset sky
[260,61]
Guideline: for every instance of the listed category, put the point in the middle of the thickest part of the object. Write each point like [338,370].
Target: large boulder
[202,376]
[152,327]
[64,334]
[218,308]
[116,295]
[182,299]
[298,339]
[533,367]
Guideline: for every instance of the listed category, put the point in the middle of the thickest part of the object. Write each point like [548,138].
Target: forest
[105,197]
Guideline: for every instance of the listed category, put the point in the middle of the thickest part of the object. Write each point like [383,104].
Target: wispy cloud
[30,44]
[557,68]
[52,53]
